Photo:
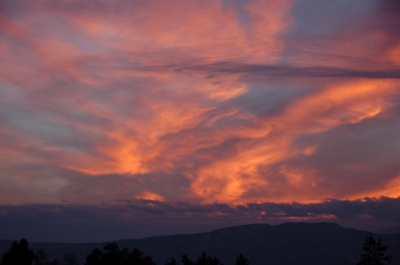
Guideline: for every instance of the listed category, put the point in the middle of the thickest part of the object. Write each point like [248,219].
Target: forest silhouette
[20,254]
[110,254]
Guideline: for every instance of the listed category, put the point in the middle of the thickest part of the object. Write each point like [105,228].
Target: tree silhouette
[204,259]
[135,257]
[186,261]
[18,254]
[69,259]
[94,257]
[53,262]
[112,255]
[41,257]
[375,252]
[172,262]
[241,260]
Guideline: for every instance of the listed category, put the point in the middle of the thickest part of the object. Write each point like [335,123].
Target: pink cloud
[157,90]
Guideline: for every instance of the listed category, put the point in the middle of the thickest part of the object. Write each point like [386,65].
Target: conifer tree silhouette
[94,257]
[18,254]
[241,260]
[112,255]
[375,252]
[171,262]
[186,261]
[204,259]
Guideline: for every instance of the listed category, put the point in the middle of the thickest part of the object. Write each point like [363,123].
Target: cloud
[344,34]
[217,101]
[143,218]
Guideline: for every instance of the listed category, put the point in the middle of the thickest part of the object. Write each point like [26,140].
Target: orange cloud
[389,189]
[393,55]
[208,30]
[114,90]
[150,196]
[228,179]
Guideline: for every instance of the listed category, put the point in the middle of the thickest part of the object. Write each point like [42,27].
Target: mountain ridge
[284,244]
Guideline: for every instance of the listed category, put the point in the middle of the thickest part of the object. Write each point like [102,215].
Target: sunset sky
[127,119]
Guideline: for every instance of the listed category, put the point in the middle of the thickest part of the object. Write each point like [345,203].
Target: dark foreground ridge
[289,243]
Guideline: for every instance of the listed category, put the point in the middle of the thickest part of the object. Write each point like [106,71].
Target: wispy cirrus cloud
[216,101]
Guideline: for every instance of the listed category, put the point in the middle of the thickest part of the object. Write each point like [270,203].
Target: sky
[132,118]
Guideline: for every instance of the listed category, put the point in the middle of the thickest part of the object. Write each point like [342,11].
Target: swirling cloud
[234,102]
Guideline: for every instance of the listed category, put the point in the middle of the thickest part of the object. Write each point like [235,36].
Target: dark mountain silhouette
[288,243]
[391,230]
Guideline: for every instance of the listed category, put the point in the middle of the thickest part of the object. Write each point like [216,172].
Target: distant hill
[261,244]
[391,230]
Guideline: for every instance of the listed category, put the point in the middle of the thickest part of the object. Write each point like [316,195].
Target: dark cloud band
[142,218]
